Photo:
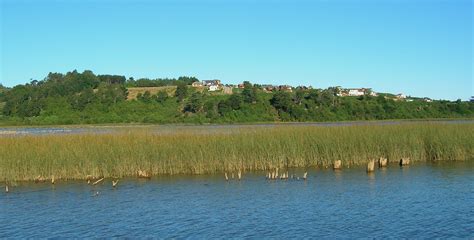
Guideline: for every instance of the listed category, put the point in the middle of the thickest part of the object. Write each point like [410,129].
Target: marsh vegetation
[126,153]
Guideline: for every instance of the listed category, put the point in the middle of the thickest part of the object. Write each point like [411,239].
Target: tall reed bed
[189,152]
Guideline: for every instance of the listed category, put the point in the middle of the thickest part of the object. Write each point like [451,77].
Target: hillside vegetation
[86,98]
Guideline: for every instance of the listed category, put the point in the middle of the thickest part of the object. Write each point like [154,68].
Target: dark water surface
[433,200]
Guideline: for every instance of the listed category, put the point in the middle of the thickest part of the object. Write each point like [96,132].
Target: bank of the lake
[216,150]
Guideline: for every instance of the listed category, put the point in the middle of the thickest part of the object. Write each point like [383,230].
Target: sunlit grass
[123,153]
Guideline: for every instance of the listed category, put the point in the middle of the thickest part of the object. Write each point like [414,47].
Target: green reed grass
[122,154]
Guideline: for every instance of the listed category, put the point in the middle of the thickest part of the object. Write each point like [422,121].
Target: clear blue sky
[416,47]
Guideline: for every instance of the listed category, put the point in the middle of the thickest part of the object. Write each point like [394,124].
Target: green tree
[281,101]
[111,94]
[181,92]
[161,96]
[223,107]
[146,97]
[299,96]
[234,101]
[210,108]
[195,103]
[187,80]
[112,79]
[81,100]
[249,93]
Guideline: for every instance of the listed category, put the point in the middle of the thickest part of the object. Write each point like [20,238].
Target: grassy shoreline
[138,124]
[124,153]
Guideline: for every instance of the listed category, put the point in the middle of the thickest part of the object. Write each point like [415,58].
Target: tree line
[77,98]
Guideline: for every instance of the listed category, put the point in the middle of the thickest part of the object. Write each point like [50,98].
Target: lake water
[206,129]
[432,200]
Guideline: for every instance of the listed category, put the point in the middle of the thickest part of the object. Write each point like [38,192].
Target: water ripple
[424,201]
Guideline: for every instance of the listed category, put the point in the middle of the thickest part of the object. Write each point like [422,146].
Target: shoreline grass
[124,153]
[134,124]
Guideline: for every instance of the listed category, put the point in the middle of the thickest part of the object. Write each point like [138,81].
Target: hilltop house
[355,92]
[213,88]
[287,88]
[214,82]
[196,84]
[268,87]
[212,85]
[401,96]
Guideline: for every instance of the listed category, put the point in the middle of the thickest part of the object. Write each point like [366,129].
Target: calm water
[206,129]
[420,201]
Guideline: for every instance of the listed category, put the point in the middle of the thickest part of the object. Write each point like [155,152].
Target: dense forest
[87,98]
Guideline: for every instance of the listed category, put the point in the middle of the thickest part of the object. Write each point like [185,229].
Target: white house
[212,85]
[213,88]
[211,82]
[355,92]
[401,96]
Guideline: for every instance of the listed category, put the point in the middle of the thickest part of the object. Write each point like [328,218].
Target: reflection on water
[338,175]
[422,201]
[371,176]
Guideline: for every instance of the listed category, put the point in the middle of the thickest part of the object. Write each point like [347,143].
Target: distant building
[373,94]
[401,96]
[213,88]
[196,84]
[212,85]
[472,99]
[269,87]
[355,92]
[209,83]
[427,99]
[286,88]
